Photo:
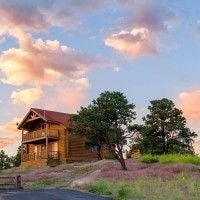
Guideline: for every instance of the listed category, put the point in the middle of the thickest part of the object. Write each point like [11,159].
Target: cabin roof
[48,116]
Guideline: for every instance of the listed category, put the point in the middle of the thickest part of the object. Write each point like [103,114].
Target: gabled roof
[48,116]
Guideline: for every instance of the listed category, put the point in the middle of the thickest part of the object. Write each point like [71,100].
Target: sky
[59,55]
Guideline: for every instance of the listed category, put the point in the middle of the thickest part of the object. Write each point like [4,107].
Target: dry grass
[62,175]
[137,170]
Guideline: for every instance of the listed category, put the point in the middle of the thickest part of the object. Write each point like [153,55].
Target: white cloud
[27,96]
[39,62]
[138,42]
[10,130]
[143,23]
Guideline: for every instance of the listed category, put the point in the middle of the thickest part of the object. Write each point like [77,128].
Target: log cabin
[46,138]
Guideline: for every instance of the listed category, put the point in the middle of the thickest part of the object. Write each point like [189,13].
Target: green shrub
[123,192]
[150,188]
[109,157]
[41,184]
[148,158]
[171,158]
[53,163]
[101,188]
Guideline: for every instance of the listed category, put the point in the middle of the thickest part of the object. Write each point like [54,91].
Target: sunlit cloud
[141,29]
[10,133]
[39,62]
[26,96]
[73,95]
[189,102]
[40,15]
[138,42]
[197,146]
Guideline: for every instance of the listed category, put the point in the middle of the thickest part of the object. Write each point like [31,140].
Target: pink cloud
[26,96]
[145,21]
[10,132]
[138,42]
[40,15]
[197,146]
[39,62]
[72,94]
[189,102]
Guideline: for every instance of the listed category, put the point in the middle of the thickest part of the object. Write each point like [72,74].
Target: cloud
[40,15]
[73,94]
[152,15]
[197,146]
[189,102]
[27,96]
[142,26]
[133,44]
[10,130]
[38,62]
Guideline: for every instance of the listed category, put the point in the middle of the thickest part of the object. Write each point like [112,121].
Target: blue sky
[59,55]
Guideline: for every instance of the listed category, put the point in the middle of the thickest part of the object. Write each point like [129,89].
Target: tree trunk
[99,153]
[163,145]
[123,164]
[121,160]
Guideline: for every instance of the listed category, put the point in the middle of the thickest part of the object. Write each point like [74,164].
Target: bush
[171,158]
[41,184]
[109,157]
[179,158]
[53,163]
[101,188]
[150,188]
[148,158]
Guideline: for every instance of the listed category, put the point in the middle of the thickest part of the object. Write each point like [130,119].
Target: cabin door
[54,146]
[38,151]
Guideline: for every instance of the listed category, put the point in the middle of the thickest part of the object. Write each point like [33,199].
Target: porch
[50,155]
[39,134]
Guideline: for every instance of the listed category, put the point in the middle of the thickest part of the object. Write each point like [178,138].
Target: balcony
[51,155]
[40,134]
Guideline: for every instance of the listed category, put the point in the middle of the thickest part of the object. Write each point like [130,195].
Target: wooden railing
[39,134]
[53,155]
[8,182]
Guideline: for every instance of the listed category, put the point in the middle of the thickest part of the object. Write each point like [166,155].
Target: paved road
[53,194]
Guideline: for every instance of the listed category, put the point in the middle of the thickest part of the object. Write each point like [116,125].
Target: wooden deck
[52,155]
[40,134]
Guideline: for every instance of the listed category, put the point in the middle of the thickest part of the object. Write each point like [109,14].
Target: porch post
[47,130]
[22,145]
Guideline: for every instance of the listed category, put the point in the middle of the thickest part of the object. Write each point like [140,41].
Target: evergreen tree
[5,161]
[107,120]
[165,130]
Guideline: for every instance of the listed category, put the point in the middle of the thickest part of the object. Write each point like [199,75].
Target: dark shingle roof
[53,116]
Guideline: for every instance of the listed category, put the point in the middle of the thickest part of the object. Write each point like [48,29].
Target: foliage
[41,184]
[164,130]
[171,158]
[107,120]
[53,163]
[5,161]
[8,162]
[16,160]
[100,188]
[151,188]
[148,158]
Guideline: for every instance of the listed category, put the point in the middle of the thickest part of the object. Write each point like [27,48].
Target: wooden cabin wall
[78,150]
[61,141]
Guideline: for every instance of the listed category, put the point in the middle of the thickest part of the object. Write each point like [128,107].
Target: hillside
[98,177]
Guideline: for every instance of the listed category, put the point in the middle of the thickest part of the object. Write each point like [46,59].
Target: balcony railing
[39,134]
[51,155]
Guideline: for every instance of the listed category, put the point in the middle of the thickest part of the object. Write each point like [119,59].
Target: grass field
[171,158]
[178,187]
[172,177]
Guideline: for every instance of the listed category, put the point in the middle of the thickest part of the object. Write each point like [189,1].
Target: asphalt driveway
[53,194]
